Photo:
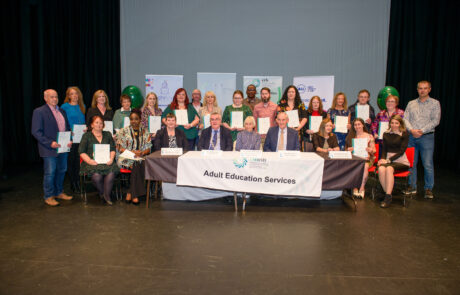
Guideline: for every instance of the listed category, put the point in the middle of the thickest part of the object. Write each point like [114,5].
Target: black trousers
[137,180]
[73,165]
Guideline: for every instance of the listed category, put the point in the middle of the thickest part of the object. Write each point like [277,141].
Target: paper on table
[102,153]
[359,147]
[126,122]
[383,126]
[181,117]
[236,120]
[154,124]
[341,123]
[207,121]
[78,130]
[314,122]
[362,111]
[108,126]
[263,124]
[293,118]
[63,138]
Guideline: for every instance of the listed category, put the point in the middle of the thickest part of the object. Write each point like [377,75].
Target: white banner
[322,86]
[268,174]
[223,85]
[275,83]
[164,87]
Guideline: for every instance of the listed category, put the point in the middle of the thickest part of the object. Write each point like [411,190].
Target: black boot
[386,202]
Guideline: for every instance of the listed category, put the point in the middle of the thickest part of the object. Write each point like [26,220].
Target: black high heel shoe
[136,203]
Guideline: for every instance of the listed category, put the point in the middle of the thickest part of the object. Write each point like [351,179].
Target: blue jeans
[424,146]
[54,173]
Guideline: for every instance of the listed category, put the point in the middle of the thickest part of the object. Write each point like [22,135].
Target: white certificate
[362,111]
[383,126]
[128,155]
[78,130]
[207,121]
[154,124]
[126,122]
[341,123]
[108,126]
[236,120]
[63,138]
[181,117]
[293,118]
[359,147]
[102,153]
[263,124]
[314,122]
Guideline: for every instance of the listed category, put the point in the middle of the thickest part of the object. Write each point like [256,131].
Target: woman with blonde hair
[100,106]
[150,108]
[324,140]
[209,106]
[75,110]
[394,159]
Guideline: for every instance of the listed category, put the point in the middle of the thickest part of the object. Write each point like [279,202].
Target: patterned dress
[127,139]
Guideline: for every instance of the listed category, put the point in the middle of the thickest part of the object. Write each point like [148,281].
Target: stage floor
[276,247]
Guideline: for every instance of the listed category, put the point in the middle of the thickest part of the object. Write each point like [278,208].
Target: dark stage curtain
[53,44]
[424,44]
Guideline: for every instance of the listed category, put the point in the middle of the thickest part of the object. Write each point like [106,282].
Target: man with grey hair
[47,121]
[216,136]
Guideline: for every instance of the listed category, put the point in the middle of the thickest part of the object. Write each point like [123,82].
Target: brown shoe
[51,202]
[64,197]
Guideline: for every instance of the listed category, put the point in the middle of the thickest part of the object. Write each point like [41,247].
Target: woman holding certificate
[75,110]
[121,116]
[248,139]
[340,115]
[324,140]
[133,143]
[186,116]
[235,114]
[209,106]
[99,106]
[395,141]
[316,115]
[171,136]
[362,144]
[381,122]
[150,108]
[293,106]
[362,109]
[97,150]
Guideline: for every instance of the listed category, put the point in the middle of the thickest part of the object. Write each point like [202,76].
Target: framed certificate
[63,138]
[383,126]
[362,111]
[359,147]
[126,122]
[293,118]
[101,153]
[154,124]
[263,124]
[207,121]
[78,130]
[181,117]
[341,123]
[314,122]
[108,126]
[236,119]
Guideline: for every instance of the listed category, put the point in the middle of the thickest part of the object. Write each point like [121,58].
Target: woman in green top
[237,106]
[102,175]
[121,114]
[181,102]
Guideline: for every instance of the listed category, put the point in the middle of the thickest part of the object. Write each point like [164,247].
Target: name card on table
[340,154]
[289,154]
[250,154]
[171,151]
[383,126]
[293,118]
[211,153]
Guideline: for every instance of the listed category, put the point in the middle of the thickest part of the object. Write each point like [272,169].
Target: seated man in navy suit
[47,121]
[215,137]
[281,137]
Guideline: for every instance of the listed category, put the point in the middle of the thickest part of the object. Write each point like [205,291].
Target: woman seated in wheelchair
[136,141]
[394,159]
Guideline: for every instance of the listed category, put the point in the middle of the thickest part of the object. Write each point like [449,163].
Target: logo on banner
[311,88]
[240,162]
[256,82]
[301,88]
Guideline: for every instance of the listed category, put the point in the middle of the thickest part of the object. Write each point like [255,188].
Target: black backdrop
[424,44]
[53,44]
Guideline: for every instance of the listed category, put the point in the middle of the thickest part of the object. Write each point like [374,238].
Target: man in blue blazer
[215,137]
[281,137]
[47,121]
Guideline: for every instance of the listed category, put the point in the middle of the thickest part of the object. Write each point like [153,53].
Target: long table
[338,174]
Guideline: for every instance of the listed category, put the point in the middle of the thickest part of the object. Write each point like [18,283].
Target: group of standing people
[208,127]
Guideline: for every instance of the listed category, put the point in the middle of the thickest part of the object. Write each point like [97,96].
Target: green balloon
[137,100]
[383,94]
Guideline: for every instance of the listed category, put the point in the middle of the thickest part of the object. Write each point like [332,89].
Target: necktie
[214,139]
[281,141]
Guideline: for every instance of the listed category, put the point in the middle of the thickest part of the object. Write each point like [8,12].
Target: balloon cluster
[383,94]
[136,96]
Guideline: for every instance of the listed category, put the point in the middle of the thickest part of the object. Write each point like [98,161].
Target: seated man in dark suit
[281,137]
[216,137]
